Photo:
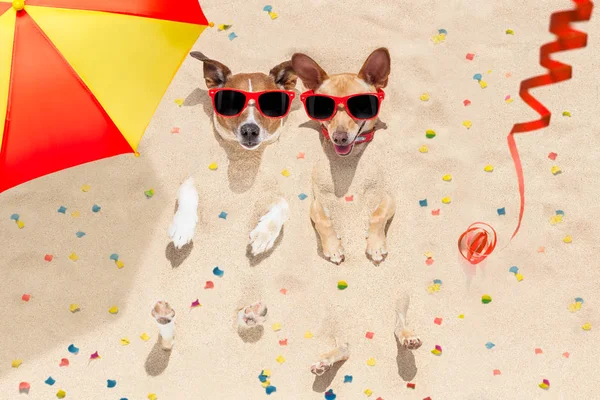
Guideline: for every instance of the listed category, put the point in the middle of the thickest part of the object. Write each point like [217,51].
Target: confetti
[213,166]
[349,198]
[423,203]
[510,32]
[424,149]
[61,394]
[568,239]
[461,316]
[120,264]
[507,99]
[552,156]
[430,134]
[96,208]
[302,196]
[209,285]
[179,102]
[276,327]
[447,178]
[152,396]
[20,224]
[64,362]
[174,129]
[283,291]
[267,8]
[587,326]
[125,342]
[566,114]
[435,212]
[489,345]
[538,351]
[74,308]
[555,170]
[16,363]
[482,84]
[270,389]
[424,97]
[111,383]
[442,31]
[113,310]
[62,209]
[347,378]
[488,168]
[513,269]
[218,272]
[232,36]
[26,297]
[144,336]
[497,372]
[24,387]
[86,188]
[72,349]
[566,354]
[149,193]
[342,285]
[329,395]
[466,102]
[283,342]
[75,214]
[371,362]
[300,156]
[280,359]
[411,385]
[368,392]
[308,335]
[48,257]
[80,234]
[519,277]
[437,350]
[477,77]
[467,124]
[470,56]
[369,335]
[486,299]
[285,173]
[545,384]
[273,15]
[50,381]
[223,215]
[437,320]
[446,200]
[501,211]
[94,355]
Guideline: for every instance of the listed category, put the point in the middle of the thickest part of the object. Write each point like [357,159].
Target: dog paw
[376,248]
[333,250]
[182,228]
[409,340]
[263,237]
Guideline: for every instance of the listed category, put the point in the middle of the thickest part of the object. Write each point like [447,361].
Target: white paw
[182,228]
[269,227]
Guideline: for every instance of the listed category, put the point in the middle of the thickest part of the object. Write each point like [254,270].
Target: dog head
[343,128]
[250,128]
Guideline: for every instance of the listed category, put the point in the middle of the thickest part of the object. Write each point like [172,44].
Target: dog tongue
[343,150]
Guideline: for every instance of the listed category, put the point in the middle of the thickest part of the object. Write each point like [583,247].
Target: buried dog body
[248,111]
[347,105]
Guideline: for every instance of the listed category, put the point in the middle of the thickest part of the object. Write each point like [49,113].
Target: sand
[209,359]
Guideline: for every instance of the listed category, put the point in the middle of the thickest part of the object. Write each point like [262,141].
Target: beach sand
[209,360]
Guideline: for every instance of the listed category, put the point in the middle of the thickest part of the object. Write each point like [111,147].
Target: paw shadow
[251,335]
[323,382]
[158,359]
[177,256]
[255,260]
[407,368]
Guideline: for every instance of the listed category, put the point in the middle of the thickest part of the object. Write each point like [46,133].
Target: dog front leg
[403,333]
[184,222]
[376,240]
[263,237]
[330,241]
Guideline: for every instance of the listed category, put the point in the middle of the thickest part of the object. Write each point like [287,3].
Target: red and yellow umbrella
[81,79]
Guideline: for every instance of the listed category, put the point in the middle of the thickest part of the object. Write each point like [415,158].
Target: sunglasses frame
[252,96]
[380,94]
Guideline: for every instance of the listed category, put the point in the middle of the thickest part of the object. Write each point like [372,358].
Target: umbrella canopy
[81,79]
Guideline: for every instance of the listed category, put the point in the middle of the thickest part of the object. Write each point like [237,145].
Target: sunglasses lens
[274,104]
[364,106]
[229,102]
[319,107]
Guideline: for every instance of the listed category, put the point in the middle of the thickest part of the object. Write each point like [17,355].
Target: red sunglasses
[270,103]
[322,107]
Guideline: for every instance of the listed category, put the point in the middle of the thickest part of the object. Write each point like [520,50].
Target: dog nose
[340,138]
[250,130]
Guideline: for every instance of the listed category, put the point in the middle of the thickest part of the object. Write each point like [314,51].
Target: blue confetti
[62,209]
[560,212]
[302,196]
[223,215]
[270,389]
[423,203]
[445,32]
[232,36]
[123,398]
[489,345]
[111,383]
[477,77]
[72,349]
[514,270]
[437,282]
[501,211]
[267,8]
[14,217]
[218,271]
[114,257]
[329,395]
[348,379]
[50,381]
[262,378]
[578,300]
[96,208]
[80,234]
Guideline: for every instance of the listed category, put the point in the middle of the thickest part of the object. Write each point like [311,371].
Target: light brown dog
[349,169]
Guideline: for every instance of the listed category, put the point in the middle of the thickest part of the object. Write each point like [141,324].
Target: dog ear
[215,73]
[307,69]
[284,75]
[376,69]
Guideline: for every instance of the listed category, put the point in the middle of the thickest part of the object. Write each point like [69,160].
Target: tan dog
[240,119]
[347,132]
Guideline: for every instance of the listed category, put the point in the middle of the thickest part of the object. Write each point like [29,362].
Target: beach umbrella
[81,79]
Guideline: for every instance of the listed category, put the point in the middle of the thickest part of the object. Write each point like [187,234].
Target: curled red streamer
[477,242]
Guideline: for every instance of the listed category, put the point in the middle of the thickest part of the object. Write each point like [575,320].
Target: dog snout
[340,138]
[250,131]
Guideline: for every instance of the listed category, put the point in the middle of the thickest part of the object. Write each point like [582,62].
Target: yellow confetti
[568,239]
[510,32]
[574,307]
[86,188]
[447,178]
[467,124]
[266,372]
[61,394]
[433,288]
[555,219]
[461,316]
[519,277]
[20,224]
[152,396]
[489,71]
[113,310]
[371,362]
[73,257]
[509,100]
[285,173]
[555,170]
[482,84]
[423,149]
[16,363]
[308,335]
[213,166]
[179,102]
[587,326]
[124,342]
[273,15]
[266,383]
[368,392]
[566,114]
[75,214]
[488,168]
[446,200]
[74,308]
[144,336]
[424,97]
[280,359]
[436,352]
[428,254]
[276,327]
[120,264]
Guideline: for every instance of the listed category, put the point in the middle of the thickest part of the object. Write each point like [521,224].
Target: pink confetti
[566,354]
[195,303]
[508,74]
[438,347]
[538,351]
[541,249]
[349,198]
[209,285]
[174,130]
[283,342]
[552,156]
[283,291]
[466,102]
[26,297]
[64,363]
[369,335]
[437,321]
[94,356]
[470,56]
[435,212]
[24,387]
[48,257]
[300,155]
[497,372]
[507,97]
[429,260]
